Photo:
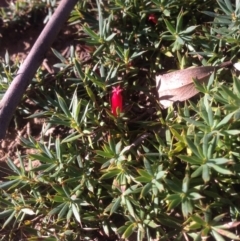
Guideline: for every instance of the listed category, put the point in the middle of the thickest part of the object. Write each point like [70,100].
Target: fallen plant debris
[179,85]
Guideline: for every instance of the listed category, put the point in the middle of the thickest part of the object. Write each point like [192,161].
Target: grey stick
[29,67]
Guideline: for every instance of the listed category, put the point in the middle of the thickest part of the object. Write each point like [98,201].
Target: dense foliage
[145,172]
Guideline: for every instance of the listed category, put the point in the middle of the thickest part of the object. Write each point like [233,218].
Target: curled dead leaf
[179,85]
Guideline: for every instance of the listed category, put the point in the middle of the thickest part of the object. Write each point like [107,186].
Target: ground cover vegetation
[137,172]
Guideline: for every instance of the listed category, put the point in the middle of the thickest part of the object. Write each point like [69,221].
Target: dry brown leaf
[179,86]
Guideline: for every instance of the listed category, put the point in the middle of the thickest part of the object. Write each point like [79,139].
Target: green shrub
[148,172]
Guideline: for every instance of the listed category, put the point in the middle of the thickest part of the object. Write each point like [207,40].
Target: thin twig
[137,142]
[27,70]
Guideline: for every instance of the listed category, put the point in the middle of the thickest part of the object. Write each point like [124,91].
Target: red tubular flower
[116,100]
[153,18]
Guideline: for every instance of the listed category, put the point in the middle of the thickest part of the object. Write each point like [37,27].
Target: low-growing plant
[19,12]
[134,172]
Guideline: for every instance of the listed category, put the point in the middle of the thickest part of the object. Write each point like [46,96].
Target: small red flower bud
[116,100]
[129,64]
[152,17]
